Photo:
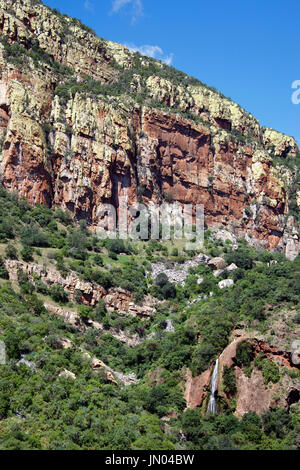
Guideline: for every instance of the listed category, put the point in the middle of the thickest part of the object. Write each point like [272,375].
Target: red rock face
[174,161]
[252,392]
[196,387]
[183,165]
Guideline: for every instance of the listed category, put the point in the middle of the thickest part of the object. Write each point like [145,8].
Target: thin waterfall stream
[212,405]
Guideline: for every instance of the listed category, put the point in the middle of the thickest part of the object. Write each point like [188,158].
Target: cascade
[212,405]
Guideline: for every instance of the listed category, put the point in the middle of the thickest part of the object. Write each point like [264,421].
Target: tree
[169,291]
[3,271]
[77,242]
[229,381]
[31,235]
[202,357]
[11,252]
[27,253]
[161,280]
[58,294]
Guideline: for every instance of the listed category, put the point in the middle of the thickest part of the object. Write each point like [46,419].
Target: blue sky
[248,49]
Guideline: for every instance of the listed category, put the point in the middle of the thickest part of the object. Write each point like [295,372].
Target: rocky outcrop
[226,283]
[75,320]
[252,392]
[296,353]
[115,299]
[112,375]
[177,272]
[196,387]
[217,263]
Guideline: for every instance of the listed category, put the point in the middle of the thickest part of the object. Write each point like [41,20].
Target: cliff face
[252,393]
[65,144]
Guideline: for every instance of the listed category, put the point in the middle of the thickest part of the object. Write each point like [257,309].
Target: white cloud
[136,9]
[169,59]
[155,52]
[150,51]
[89,6]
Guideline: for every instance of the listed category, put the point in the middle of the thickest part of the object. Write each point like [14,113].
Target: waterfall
[212,406]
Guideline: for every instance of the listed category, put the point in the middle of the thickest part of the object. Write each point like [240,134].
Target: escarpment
[84,121]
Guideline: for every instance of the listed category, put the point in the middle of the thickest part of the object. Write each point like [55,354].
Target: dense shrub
[244,354]
[11,252]
[229,380]
[31,235]
[58,294]
[27,253]
[269,369]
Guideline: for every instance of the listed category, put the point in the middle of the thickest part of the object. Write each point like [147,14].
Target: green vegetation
[269,369]
[274,430]
[229,381]
[43,408]
[64,413]
[15,54]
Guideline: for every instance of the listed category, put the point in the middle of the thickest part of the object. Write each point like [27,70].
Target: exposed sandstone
[80,152]
[196,387]
[115,299]
[252,394]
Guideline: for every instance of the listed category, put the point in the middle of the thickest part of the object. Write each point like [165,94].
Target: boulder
[67,373]
[225,235]
[226,283]
[219,272]
[296,357]
[64,343]
[217,263]
[231,268]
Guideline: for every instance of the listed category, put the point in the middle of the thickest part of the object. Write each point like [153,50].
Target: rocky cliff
[83,120]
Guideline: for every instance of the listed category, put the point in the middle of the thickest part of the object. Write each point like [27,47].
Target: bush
[77,243]
[113,255]
[229,381]
[116,246]
[98,260]
[3,271]
[6,229]
[41,287]
[297,318]
[77,296]
[27,253]
[161,280]
[202,357]
[31,235]
[58,294]
[11,252]
[270,369]
[63,217]
[99,311]
[169,291]
[242,258]
[85,312]
[244,354]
